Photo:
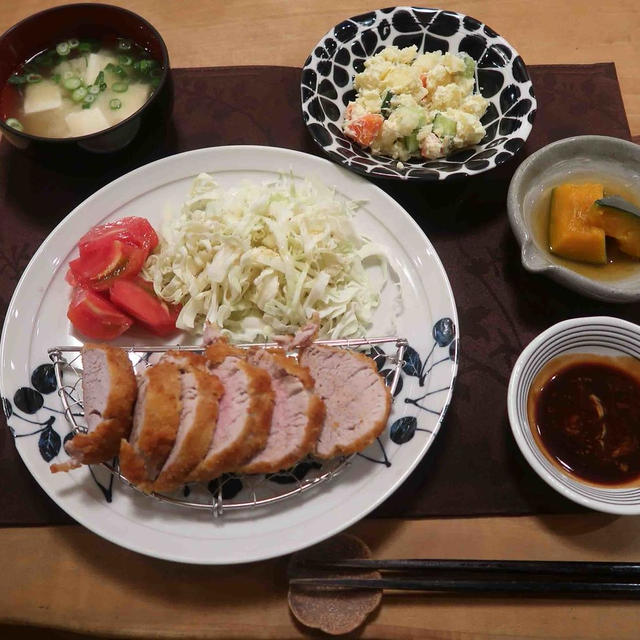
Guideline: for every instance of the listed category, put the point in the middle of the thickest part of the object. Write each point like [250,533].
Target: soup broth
[79,87]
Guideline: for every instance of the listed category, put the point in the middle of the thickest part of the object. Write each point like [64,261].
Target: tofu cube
[82,123]
[42,96]
[95,64]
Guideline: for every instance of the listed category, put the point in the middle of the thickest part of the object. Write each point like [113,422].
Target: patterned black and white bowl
[501,77]
[600,335]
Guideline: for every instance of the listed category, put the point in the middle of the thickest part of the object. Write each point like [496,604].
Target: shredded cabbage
[261,259]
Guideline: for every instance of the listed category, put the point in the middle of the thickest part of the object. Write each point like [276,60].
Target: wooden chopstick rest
[333,611]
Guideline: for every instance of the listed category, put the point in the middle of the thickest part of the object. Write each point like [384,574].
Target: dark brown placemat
[474,467]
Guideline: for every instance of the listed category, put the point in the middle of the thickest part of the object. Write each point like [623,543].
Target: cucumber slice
[443,126]
[411,142]
[469,66]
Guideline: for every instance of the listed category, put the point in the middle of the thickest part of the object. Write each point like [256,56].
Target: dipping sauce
[584,411]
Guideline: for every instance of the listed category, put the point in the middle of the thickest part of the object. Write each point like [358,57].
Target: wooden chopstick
[612,569]
[603,579]
[602,589]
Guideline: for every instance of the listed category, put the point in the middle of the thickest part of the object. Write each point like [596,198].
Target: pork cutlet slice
[109,391]
[356,398]
[297,413]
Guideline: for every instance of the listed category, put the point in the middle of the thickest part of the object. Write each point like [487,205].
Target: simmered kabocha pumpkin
[578,227]
[624,227]
[575,231]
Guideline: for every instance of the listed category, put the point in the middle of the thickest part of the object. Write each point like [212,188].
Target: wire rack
[221,495]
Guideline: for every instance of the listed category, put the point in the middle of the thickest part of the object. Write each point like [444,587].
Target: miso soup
[79,87]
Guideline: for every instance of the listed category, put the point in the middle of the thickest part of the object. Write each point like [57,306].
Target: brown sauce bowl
[42,30]
[592,337]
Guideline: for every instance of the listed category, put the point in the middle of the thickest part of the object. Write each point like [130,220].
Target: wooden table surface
[68,579]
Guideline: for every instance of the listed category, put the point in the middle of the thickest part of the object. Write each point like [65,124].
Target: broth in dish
[79,87]
[617,257]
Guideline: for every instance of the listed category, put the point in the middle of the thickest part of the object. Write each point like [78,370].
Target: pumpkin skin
[624,227]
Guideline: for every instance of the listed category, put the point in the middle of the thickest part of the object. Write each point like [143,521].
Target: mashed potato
[415,105]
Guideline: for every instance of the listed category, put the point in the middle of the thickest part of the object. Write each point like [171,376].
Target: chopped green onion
[125,60]
[86,105]
[56,78]
[89,98]
[67,74]
[84,47]
[32,78]
[63,49]
[124,44]
[99,78]
[115,104]
[73,42]
[72,83]
[145,66]
[79,94]
[117,69]
[154,83]
[14,123]
[16,78]
[103,86]
[120,87]
[93,89]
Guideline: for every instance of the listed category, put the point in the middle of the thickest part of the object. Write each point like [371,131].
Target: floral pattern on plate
[231,488]
[37,322]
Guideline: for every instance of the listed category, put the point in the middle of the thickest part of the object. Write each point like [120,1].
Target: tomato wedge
[104,259]
[137,298]
[71,278]
[95,317]
[132,230]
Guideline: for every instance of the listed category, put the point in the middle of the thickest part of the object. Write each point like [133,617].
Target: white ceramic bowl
[599,335]
[561,161]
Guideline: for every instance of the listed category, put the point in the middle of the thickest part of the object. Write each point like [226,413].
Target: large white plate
[36,320]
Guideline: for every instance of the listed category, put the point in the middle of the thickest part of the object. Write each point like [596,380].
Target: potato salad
[415,105]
